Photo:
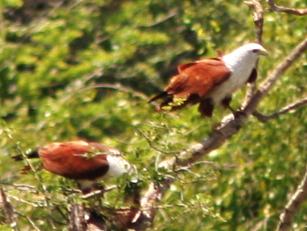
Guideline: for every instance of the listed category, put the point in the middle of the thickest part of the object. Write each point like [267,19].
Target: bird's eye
[255,50]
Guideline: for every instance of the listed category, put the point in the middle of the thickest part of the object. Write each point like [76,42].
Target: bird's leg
[99,187]
[226,104]
[206,107]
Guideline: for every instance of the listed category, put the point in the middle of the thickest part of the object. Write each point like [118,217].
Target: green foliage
[52,60]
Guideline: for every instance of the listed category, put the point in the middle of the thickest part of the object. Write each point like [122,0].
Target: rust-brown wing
[75,159]
[198,78]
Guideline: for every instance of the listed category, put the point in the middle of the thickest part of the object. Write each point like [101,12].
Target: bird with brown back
[211,81]
[85,162]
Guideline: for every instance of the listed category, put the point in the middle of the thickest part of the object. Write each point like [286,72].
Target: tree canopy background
[85,69]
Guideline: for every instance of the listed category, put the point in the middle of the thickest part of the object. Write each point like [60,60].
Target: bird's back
[75,159]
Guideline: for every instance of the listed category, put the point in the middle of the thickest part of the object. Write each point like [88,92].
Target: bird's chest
[238,78]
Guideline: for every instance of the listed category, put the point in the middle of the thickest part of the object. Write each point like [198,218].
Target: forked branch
[274,7]
[257,9]
[289,108]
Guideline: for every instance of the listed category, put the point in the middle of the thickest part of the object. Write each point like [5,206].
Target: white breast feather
[241,63]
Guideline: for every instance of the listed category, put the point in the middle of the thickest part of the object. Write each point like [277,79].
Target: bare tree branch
[117,87]
[230,125]
[293,205]
[284,110]
[173,13]
[282,67]
[146,215]
[256,6]
[8,211]
[77,218]
[257,9]
[274,7]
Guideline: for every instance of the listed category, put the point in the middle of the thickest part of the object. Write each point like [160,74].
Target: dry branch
[293,205]
[274,7]
[77,218]
[230,125]
[257,9]
[8,211]
[289,108]
[256,6]
[117,87]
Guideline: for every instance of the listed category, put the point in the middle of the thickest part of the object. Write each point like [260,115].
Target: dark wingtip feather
[161,95]
[30,155]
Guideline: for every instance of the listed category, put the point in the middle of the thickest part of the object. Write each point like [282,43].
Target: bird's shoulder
[199,76]
[72,148]
[206,63]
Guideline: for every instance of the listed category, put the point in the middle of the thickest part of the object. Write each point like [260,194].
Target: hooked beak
[263,52]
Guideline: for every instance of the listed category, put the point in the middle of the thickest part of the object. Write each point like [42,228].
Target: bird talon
[238,113]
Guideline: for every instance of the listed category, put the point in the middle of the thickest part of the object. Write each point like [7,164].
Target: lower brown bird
[85,162]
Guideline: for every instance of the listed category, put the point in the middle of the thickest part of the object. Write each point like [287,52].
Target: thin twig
[99,192]
[118,87]
[210,163]
[289,108]
[35,227]
[8,211]
[21,187]
[151,143]
[20,151]
[256,6]
[33,204]
[283,66]
[274,7]
[173,13]
[293,205]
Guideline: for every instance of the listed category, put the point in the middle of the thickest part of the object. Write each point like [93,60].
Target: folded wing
[76,159]
[194,81]
[197,78]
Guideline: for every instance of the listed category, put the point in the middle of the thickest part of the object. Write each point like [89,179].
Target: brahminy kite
[211,81]
[85,162]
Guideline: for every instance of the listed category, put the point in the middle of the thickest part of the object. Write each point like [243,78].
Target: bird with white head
[85,162]
[211,81]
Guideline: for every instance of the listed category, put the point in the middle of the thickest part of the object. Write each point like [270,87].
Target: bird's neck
[238,60]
